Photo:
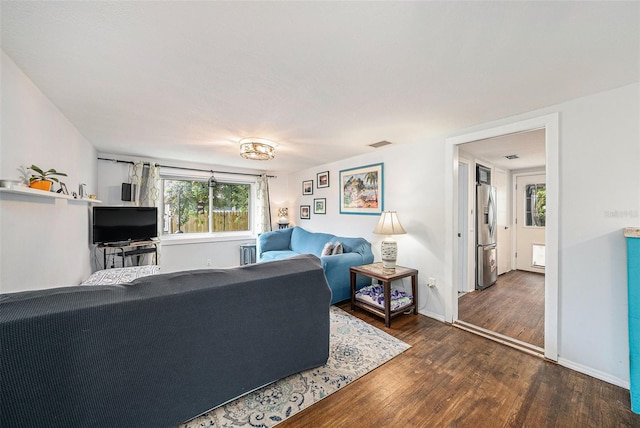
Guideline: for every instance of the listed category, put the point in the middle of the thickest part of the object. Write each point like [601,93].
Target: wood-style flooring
[453,378]
[513,306]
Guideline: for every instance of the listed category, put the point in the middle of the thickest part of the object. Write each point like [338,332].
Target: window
[205,206]
[535,205]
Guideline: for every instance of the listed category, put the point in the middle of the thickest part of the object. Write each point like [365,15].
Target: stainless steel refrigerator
[486,234]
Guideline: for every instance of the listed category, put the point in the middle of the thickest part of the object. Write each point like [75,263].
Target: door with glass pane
[530,222]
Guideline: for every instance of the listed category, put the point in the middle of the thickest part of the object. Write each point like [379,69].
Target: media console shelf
[42,194]
[128,249]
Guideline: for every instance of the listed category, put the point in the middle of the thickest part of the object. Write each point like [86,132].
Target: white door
[463,226]
[530,220]
[503,222]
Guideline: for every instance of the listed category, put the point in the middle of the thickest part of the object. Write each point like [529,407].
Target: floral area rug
[355,349]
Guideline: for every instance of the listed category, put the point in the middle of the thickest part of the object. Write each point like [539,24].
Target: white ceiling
[528,146]
[187,80]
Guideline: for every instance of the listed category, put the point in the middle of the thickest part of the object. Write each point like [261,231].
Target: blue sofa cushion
[277,240]
[356,245]
[277,255]
[304,242]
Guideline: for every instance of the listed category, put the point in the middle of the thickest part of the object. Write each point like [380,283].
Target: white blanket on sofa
[120,275]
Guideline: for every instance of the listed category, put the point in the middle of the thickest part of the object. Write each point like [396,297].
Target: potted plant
[41,179]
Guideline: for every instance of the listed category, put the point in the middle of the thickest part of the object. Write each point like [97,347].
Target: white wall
[413,186]
[599,196]
[45,242]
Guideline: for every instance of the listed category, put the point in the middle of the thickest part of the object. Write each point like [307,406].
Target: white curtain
[263,209]
[146,179]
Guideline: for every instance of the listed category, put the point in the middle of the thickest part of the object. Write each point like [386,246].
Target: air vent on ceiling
[379,144]
[512,157]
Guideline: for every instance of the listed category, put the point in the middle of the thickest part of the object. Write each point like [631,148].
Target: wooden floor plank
[453,378]
[513,306]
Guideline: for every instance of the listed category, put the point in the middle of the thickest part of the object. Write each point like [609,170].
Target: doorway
[549,124]
[513,307]
[530,191]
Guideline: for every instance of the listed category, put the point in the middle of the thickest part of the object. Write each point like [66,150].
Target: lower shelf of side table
[380,311]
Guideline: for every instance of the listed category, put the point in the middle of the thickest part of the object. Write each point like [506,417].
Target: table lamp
[283,213]
[389,225]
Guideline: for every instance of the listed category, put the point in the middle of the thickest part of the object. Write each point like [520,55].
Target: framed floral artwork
[362,190]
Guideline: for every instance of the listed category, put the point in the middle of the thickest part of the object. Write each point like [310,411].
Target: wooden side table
[386,276]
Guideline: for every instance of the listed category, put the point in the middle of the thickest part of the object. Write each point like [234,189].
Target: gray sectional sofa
[284,243]
[162,349]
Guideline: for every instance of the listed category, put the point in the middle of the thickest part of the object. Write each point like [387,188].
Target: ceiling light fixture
[257,149]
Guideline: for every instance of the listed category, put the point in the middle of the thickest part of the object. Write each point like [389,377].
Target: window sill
[203,238]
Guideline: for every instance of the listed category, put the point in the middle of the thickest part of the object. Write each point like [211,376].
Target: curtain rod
[188,169]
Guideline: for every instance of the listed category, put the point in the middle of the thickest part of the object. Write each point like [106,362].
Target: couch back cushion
[277,240]
[357,245]
[304,242]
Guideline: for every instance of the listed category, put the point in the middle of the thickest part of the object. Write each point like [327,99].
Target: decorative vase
[389,253]
[41,185]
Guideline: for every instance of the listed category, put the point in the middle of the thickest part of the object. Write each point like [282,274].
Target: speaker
[128,192]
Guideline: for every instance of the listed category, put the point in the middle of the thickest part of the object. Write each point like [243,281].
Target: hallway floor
[513,306]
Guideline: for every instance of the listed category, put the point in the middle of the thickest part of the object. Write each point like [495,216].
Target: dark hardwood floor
[513,306]
[453,378]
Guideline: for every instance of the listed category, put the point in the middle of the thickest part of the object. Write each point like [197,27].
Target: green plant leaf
[36,169]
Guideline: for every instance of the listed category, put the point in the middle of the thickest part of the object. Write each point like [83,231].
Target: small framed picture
[320,206]
[305,212]
[307,187]
[322,179]
[63,189]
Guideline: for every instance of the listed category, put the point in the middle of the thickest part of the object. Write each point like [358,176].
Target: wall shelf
[42,194]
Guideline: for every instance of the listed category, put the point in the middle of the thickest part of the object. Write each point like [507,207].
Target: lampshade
[389,224]
[257,149]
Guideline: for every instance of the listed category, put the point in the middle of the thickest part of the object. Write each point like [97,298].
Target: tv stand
[128,249]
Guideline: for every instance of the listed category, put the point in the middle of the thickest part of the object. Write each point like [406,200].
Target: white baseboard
[433,315]
[594,373]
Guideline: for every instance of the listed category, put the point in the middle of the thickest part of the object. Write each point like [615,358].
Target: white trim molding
[594,373]
[550,123]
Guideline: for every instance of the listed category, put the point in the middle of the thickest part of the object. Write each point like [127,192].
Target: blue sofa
[285,243]
[160,350]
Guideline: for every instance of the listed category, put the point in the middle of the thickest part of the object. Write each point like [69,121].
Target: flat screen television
[120,224]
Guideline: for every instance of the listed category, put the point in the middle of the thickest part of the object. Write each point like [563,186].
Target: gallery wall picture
[307,187]
[362,190]
[322,180]
[305,212]
[320,206]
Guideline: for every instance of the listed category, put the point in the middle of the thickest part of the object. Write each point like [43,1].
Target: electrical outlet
[431,282]
[208,262]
